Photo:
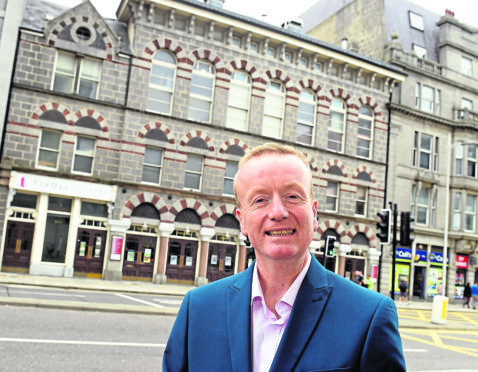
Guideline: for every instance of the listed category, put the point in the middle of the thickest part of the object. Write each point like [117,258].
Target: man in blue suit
[286,312]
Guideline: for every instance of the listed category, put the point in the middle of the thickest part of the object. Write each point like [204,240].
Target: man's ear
[240,217]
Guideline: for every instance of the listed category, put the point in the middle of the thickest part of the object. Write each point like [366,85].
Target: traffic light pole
[394,245]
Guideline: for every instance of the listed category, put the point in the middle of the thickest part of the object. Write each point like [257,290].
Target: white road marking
[168,302]
[415,350]
[50,294]
[138,300]
[74,342]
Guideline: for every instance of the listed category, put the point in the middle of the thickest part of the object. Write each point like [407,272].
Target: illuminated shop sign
[437,258]
[461,261]
[404,254]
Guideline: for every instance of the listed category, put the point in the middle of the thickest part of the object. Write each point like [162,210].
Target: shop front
[182,257]
[403,260]
[419,273]
[435,273]
[460,278]
[221,261]
[55,226]
[139,256]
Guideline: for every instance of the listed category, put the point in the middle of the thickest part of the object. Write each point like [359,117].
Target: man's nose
[278,210]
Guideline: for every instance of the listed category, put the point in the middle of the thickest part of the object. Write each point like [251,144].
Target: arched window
[161,82]
[239,100]
[365,132]
[202,92]
[306,118]
[273,110]
[336,135]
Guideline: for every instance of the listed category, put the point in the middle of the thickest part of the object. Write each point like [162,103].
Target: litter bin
[439,309]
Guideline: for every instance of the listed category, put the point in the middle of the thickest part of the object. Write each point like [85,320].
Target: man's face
[276,211]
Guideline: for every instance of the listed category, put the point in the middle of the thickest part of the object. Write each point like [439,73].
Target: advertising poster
[214,259]
[435,276]
[173,260]
[147,255]
[130,256]
[228,261]
[189,261]
[401,271]
[82,248]
[116,246]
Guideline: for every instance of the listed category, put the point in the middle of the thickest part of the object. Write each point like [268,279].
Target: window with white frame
[365,132]
[161,82]
[254,46]
[84,154]
[202,91]
[470,213]
[420,51]
[79,75]
[336,133]
[153,162]
[467,105]
[425,151]
[229,173]
[466,66]
[273,110]
[239,101]
[427,99]
[422,208]
[456,220]
[361,201]
[471,161]
[416,21]
[306,118]
[459,159]
[433,219]
[332,196]
[194,171]
[49,149]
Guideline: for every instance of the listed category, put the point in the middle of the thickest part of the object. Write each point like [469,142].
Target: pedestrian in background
[474,295]
[403,286]
[369,282]
[467,295]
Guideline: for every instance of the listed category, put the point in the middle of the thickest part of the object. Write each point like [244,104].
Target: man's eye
[259,200]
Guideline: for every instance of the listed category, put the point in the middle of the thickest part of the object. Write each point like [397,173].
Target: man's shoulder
[220,287]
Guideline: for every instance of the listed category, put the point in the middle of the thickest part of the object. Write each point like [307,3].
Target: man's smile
[281,232]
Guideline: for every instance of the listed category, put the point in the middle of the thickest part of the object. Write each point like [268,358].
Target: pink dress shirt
[267,330]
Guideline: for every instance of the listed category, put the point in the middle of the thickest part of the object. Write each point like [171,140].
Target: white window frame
[420,51]
[471,161]
[416,21]
[456,219]
[157,167]
[470,213]
[165,84]
[77,75]
[229,172]
[362,136]
[199,73]
[422,206]
[194,172]
[306,117]
[274,107]
[43,164]
[427,104]
[420,150]
[84,154]
[341,114]
[466,66]
[361,200]
[239,101]
[331,197]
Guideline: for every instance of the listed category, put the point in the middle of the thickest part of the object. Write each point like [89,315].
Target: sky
[278,11]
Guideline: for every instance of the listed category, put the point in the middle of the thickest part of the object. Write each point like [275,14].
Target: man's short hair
[272,148]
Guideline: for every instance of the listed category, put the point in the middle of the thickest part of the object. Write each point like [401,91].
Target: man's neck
[277,277]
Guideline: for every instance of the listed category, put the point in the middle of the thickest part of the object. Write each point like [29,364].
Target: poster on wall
[147,255]
[401,272]
[435,277]
[116,246]
[82,249]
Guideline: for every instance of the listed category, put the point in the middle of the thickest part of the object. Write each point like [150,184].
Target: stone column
[206,234]
[342,252]
[165,230]
[114,268]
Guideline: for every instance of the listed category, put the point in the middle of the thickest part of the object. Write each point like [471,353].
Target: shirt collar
[291,294]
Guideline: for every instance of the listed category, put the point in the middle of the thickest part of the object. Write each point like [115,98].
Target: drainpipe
[128,80]
[387,159]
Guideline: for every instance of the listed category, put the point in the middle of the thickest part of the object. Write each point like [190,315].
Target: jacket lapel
[239,321]
[305,315]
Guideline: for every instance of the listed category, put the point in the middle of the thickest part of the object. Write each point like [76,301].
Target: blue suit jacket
[335,325]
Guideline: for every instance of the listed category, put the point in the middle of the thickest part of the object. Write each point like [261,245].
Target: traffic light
[406,229]
[384,226]
[330,245]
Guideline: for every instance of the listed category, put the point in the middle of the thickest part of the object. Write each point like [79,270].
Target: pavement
[414,314]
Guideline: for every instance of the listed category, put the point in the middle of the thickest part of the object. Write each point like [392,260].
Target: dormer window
[416,21]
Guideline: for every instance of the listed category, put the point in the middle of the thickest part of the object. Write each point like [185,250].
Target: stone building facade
[121,146]
[434,131]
